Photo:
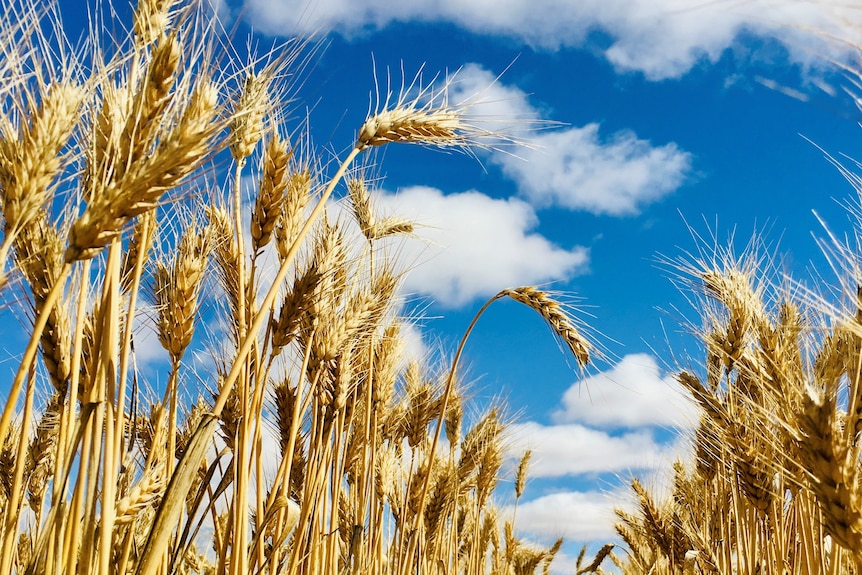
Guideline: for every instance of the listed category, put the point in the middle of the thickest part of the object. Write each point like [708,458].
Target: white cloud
[415,348]
[661,38]
[633,393]
[573,449]
[576,515]
[473,245]
[149,351]
[578,169]
[575,168]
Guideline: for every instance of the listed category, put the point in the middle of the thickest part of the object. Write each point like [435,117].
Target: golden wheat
[101,170]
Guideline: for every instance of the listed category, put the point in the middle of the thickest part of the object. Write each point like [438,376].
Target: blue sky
[659,118]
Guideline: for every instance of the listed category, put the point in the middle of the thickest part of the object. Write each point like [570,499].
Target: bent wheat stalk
[559,321]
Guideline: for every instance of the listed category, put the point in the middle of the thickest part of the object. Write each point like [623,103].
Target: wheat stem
[30,352]
[125,348]
[109,400]
[13,506]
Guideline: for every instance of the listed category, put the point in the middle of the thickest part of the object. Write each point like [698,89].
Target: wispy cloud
[660,38]
[470,245]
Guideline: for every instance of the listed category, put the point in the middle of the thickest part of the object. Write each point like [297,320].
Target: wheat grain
[41,453]
[830,469]
[488,469]
[442,496]
[409,124]
[358,318]
[361,203]
[142,495]
[297,194]
[559,321]
[475,443]
[247,123]
[388,351]
[600,556]
[39,255]
[31,161]
[151,19]
[176,290]
[226,255]
[454,420]
[269,204]
[521,475]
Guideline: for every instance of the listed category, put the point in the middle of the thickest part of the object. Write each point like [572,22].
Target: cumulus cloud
[660,38]
[576,515]
[573,449]
[470,245]
[630,400]
[577,168]
[632,394]
[492,104]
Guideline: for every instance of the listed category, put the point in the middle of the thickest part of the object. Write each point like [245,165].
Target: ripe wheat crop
[312,445]
[774,485]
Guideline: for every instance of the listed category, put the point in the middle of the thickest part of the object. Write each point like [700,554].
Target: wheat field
[773,486]
[122,164]
[310,442]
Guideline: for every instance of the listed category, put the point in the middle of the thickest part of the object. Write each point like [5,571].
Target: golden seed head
[176,290]
[521,475]
[454,418]
[271,197]
[297,195]
[361,203]
[434,127]
[31,157]
[556,317]
[391,226]
[247,124]
[176,156]
[387,357]
[151,19]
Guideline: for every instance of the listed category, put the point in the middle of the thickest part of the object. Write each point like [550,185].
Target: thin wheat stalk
[547,308]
